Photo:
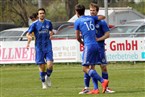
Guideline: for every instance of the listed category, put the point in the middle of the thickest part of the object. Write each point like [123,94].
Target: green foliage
[67,80]
[17,11]
[12,11]
[56,11]
[85,3]
[139,7]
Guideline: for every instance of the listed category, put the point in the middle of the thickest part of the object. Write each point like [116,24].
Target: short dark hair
[80,9]
[94,5]
[41,9]
[34,15]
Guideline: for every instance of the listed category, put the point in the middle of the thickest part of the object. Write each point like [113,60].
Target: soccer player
[101,34]
[85,25]
[42,29]
[34,17]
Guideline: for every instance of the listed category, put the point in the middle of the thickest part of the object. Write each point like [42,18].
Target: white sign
[69,50]
[65,50]
[16,52]
[125,49]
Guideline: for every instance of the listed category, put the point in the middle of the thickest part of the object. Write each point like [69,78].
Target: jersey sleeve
[50,26]
[95,18]
[76,25]
[31,29]
[105,27]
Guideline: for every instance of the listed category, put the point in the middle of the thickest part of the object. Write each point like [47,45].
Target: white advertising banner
[65,50]
[69,50]
[125,49]
[16,52]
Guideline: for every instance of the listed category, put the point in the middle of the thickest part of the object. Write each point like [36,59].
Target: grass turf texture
[67,81]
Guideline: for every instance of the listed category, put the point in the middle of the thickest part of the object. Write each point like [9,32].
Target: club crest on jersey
[97,26]
[43,27]
[47,26]
[103,60]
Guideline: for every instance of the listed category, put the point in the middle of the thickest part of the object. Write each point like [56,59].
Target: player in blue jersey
[33,17]
[85,25]
[42,29]
[102,33]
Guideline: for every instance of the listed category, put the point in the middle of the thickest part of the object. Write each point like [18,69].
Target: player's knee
[85,70]
[49,64]
[42,67]
[104,68]
[92,67]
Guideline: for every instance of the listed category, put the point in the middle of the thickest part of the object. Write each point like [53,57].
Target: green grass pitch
[67,81]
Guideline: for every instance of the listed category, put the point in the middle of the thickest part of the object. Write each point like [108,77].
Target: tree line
[18,11]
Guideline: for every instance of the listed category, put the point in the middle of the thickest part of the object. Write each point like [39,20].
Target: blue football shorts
[102,56]
[90,55]
[43,56]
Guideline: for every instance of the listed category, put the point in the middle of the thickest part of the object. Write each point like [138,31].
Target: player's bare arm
[105,36]
[78,37]
[101,17]
[29,37]
[51,34]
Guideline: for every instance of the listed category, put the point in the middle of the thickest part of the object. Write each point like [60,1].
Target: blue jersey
[102,28]
[41,32]
[86,25]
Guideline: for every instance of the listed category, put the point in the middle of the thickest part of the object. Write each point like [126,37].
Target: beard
[41,18]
